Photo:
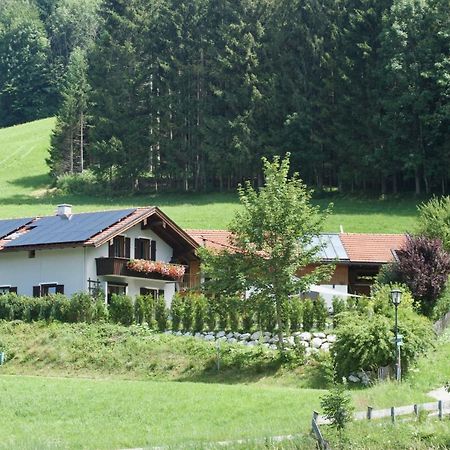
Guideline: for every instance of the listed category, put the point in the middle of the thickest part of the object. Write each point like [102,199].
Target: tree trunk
[81,141]
[394,184]
[417,180]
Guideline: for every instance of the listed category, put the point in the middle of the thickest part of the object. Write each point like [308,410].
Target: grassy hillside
[128,387]
[24,182]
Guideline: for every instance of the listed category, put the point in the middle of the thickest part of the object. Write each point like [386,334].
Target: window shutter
[111,250]
[137,254]
[153,251]
[36,291]
[60,289]
[13,290]
[127,247]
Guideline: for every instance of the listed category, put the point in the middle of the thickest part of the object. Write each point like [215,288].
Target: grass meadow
[108,386]
[24,191]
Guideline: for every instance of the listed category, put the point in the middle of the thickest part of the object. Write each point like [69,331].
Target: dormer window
[145,249]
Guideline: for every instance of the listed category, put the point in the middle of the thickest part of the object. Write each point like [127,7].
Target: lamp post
[396,298]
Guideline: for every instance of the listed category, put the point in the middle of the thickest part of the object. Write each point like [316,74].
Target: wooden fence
[439,408]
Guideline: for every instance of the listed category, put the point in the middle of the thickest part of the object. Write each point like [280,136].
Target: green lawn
[75,413]
[24,182]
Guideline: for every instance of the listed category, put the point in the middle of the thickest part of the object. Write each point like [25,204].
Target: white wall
[63,266]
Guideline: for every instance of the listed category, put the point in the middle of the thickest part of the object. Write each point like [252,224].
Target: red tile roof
[371,248]
[212,239]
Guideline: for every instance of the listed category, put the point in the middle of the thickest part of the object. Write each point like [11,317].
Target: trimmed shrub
[308,314]
[339,306]
[61,308]
[161,314]
[295,314]
[100,311]
[233,312]
[442,306]
[176,311]
[211,315]
[320,313]
[188,313]
[143,310]
[200,312]
[81,308]
[121,309]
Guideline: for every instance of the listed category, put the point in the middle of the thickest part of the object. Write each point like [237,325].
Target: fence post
[416,409]
[440,408]
[314,417]
[393,414]
[369,412]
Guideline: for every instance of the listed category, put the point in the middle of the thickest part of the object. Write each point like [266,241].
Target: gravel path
[440,394]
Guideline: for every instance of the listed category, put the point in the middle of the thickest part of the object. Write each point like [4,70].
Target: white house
[69,253]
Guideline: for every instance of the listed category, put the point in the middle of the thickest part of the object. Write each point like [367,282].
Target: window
[119,247]
[32,254]
[47,289]
[116,288]
[155,293]
[7,290]
[142,248]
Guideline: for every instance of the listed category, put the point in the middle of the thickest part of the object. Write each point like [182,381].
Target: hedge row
[195,312]
[189,312]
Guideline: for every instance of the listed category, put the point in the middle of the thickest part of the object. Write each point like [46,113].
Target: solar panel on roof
[79,228]
[10,225]
[330,247]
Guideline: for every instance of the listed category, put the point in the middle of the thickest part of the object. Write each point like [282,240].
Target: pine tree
[68,143]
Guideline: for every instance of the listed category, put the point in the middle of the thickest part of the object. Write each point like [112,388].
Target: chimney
[64,211]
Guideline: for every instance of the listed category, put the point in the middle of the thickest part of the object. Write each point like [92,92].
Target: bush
[176,311]
[100,310]
[308,314]
[121,309]
[265,313]
[188,313]
[233,312]
[366,343]
[295,314]
[424,266]
[143,309]
[61,308]
[339,306]
[434,220]
[211,315]
[320,313]
[161,313]
[79,184]
[442,305]
[81,308]
[200,310]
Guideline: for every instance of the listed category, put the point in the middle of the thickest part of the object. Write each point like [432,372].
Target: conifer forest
[189,94]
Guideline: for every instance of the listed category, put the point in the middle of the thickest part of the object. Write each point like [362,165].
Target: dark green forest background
[190,94]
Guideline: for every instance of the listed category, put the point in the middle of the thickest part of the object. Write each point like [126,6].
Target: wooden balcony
[118,267]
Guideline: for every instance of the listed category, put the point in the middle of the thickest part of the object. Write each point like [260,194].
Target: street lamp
[396,298]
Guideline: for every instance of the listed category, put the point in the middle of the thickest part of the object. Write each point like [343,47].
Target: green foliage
[434,220]
[274,232]
[177,311]
[200,311]
[81,308]
[161,313]
[143,309]
[295,313]
[339,305]
[337,407]
[442,306]
[121,309]
[308,314]
[320,313]
[355,350]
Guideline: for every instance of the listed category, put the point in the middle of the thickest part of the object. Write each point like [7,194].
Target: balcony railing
[118,267]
